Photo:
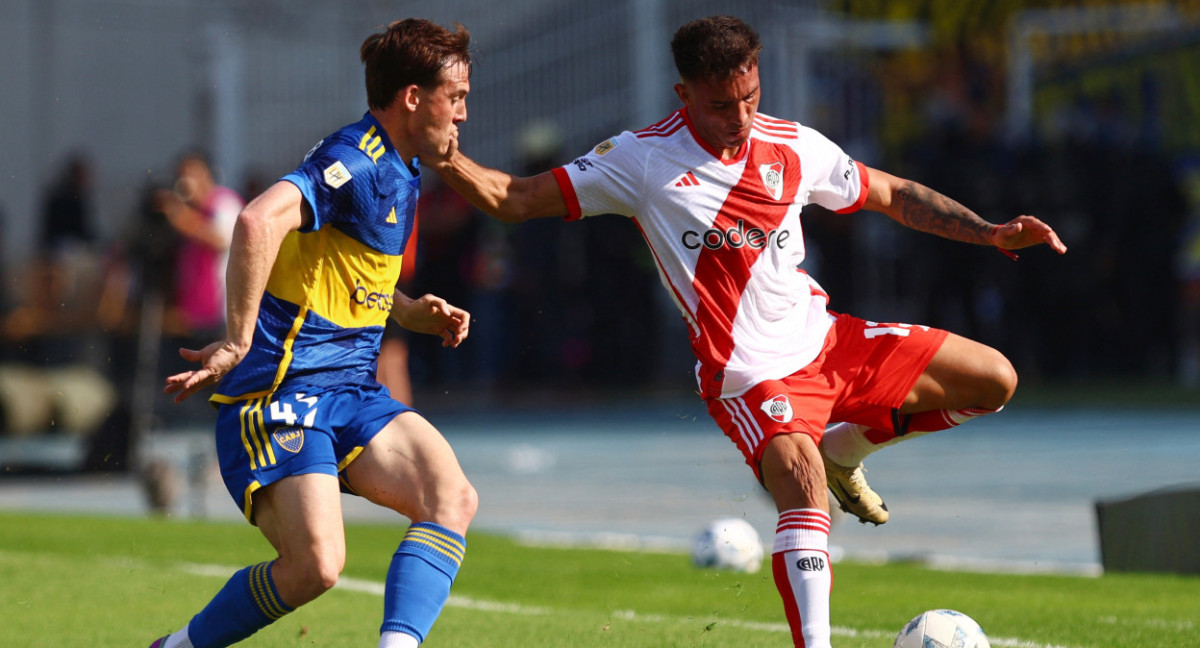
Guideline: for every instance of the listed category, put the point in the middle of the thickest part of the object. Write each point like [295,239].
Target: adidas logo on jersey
[687,180]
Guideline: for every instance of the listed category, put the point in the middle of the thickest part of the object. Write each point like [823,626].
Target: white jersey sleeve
[838,182]
[606,180]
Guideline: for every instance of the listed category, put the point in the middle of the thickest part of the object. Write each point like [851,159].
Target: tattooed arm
[921,208]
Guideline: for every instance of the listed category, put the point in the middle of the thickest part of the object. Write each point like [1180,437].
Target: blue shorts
[296,431]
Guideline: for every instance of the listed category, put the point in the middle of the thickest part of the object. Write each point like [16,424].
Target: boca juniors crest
[289,438]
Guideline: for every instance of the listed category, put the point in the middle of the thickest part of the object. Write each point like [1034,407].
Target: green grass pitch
[117,582]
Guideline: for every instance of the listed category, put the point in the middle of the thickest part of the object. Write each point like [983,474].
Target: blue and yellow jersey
[330,290]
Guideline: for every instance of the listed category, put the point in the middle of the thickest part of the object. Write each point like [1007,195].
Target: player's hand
[452,145]
[442,153]
[434,316]
[1023,232]
[216,360]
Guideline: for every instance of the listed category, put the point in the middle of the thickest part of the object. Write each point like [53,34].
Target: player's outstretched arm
[1025,231]
[432,315]
[921,208]
[257,235]
[503,196]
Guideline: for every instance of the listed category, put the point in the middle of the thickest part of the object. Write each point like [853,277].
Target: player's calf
[418,583]
[247,603]
[804,574]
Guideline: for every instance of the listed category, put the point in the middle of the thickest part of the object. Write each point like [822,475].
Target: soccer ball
[941,629]
[728,543]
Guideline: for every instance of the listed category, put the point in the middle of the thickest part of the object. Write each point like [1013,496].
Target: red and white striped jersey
[726,235]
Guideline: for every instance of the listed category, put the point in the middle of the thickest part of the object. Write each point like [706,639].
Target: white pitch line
[376,588]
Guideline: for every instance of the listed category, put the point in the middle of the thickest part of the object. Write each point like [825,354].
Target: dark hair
[410,51]
[715,48]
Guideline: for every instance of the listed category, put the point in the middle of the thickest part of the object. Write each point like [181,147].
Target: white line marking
[376,588]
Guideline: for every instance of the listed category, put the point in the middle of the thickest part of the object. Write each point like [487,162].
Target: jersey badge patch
[392,217]
[772,177]
[605,146]
[778,408]
[289,438]
[337,174]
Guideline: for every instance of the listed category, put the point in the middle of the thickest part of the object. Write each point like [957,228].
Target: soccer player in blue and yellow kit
[311,282]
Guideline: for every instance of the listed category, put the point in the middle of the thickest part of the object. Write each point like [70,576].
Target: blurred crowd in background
[89,329]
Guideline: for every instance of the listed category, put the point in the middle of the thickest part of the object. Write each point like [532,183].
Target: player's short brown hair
[715,48]
[410,51]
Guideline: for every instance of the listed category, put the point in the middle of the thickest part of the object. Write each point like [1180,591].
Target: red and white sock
[804,575]
[847,444]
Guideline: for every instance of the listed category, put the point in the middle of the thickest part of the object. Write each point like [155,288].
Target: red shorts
[864,372]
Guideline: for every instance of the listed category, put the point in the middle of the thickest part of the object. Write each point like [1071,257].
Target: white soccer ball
[728,543]
[941,629]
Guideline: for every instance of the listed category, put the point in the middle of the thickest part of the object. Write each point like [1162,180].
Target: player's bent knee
[322,576]
[458,508]
[303,580]
[470,502]
[991,380]
[327,572]
[449,503]
[1004,384]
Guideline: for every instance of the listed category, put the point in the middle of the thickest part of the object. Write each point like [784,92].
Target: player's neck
[394,129]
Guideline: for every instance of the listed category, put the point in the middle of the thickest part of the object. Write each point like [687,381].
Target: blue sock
[247,603]
[419,578]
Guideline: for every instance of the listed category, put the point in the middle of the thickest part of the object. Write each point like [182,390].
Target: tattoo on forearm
[929,211]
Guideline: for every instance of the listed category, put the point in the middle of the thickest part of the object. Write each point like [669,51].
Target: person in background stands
[203,213]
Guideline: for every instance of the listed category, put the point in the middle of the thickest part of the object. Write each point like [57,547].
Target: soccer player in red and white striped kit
[716,188]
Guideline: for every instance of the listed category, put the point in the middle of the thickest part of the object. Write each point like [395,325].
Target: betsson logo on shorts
[736,237]
[371,300]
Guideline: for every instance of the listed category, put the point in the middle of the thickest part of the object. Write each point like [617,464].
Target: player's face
[722,111]
[441,109]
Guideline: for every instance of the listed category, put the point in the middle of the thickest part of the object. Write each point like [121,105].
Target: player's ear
[681,91]
[410,97]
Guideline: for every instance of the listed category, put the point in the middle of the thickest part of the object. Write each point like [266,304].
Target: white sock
[393,639]
[804,575]
[846,444]
[178,639]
